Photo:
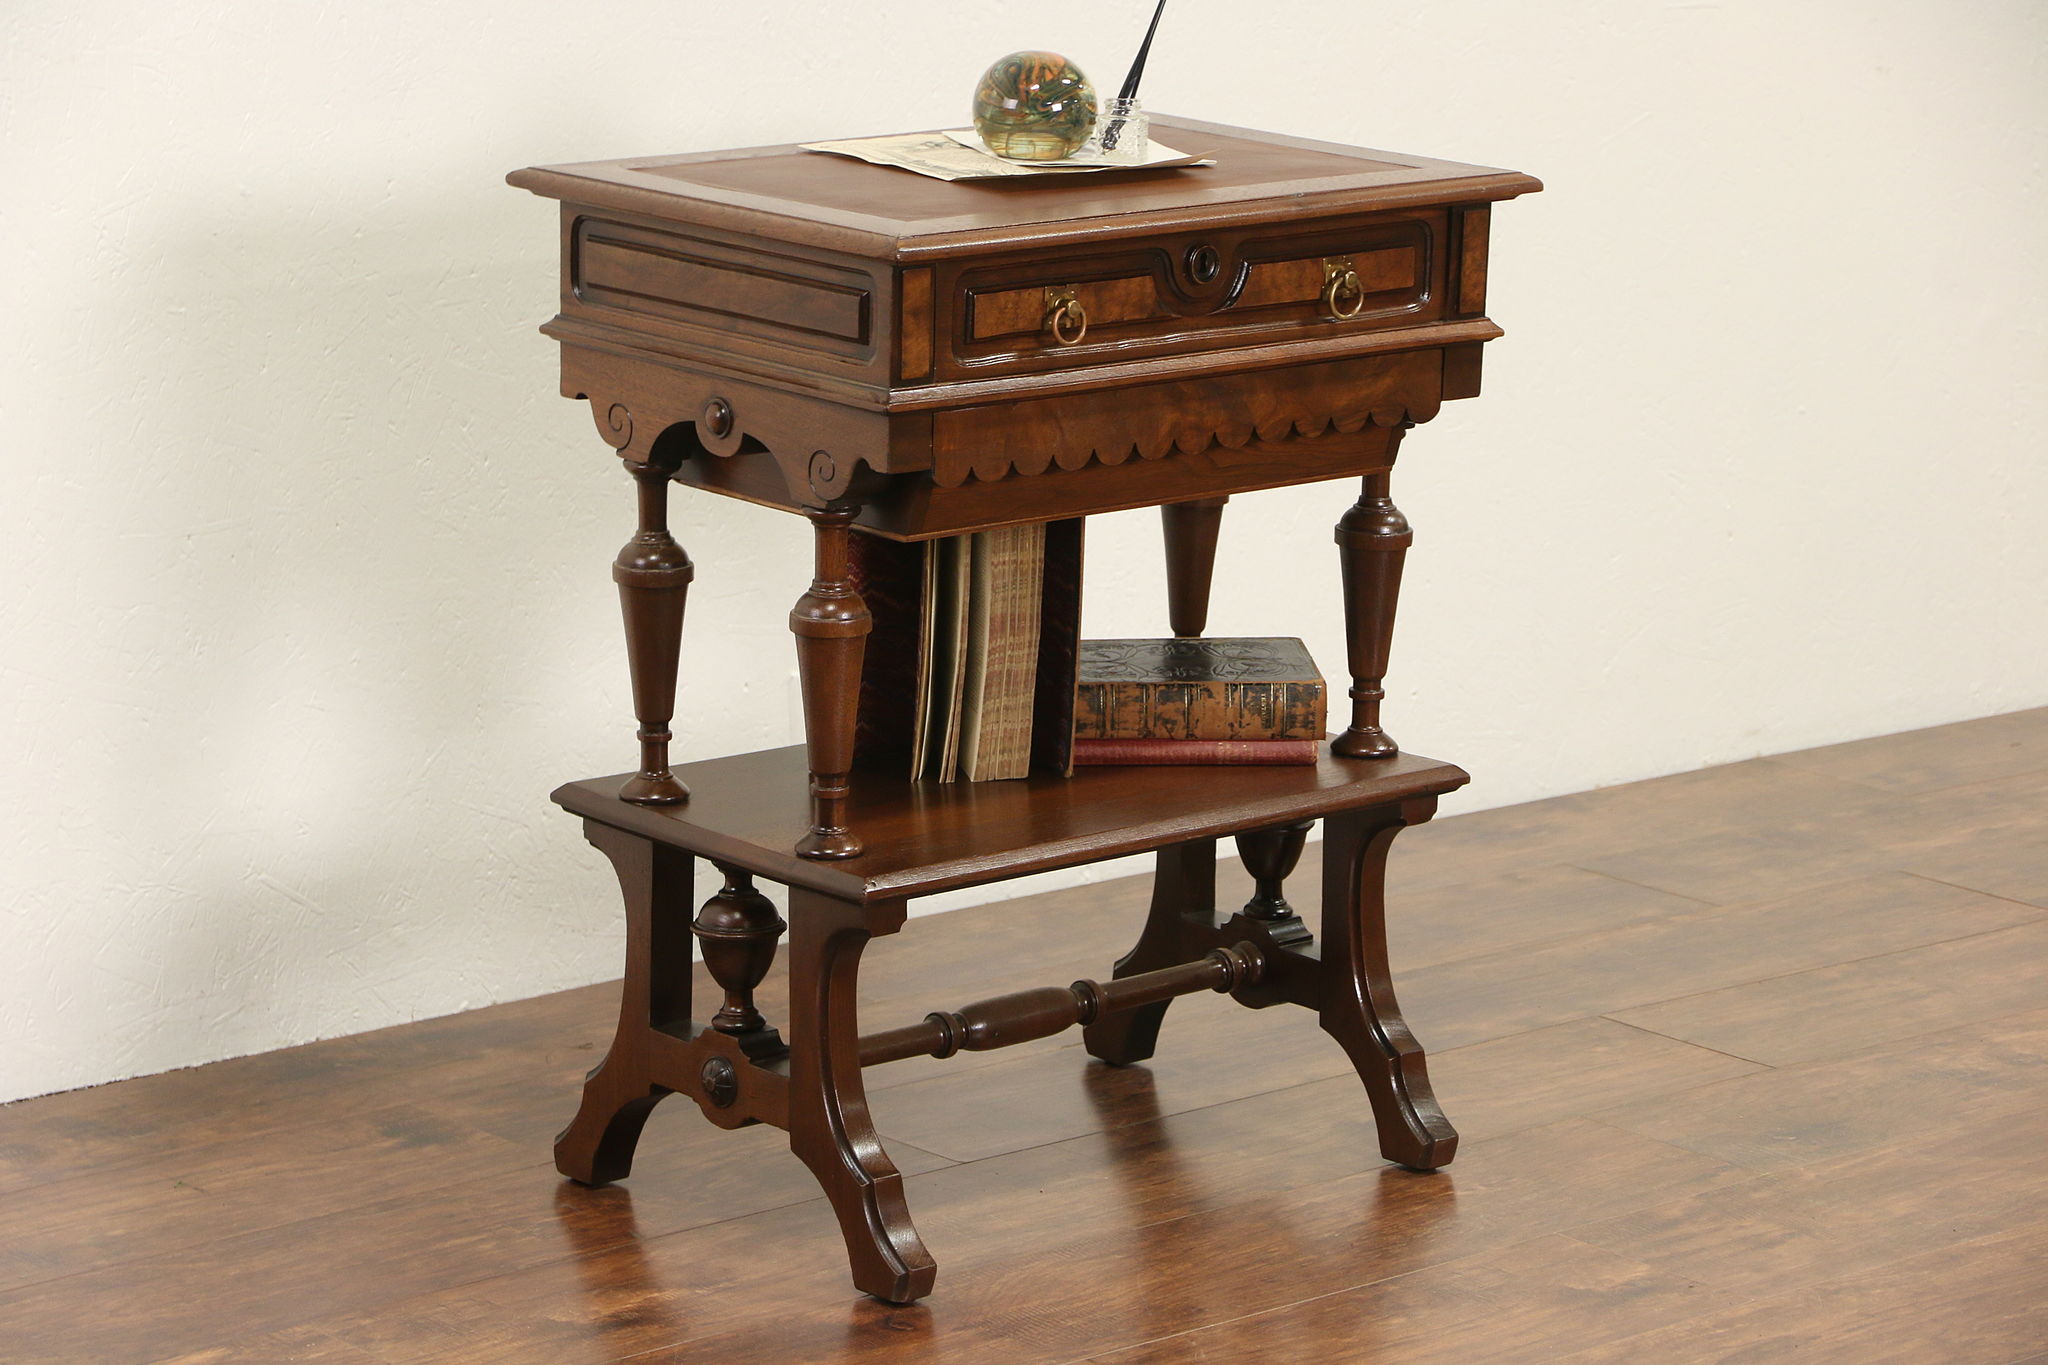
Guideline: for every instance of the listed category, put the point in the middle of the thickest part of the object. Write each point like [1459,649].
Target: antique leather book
[1198,689]
[1007,582]
[948,584]
[970,663]
[1059,649]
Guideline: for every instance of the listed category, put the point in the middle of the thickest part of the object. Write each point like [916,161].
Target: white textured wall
[305,604]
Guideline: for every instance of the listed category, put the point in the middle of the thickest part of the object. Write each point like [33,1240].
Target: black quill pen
[1115,131]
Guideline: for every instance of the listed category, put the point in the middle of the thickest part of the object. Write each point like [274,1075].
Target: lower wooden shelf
[749,810]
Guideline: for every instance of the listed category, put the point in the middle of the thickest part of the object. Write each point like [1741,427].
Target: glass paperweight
[1034,106]
[1122,134]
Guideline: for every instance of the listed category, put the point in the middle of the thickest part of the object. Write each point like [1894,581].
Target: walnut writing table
[916,358]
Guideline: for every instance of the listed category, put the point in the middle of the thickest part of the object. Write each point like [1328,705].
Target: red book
[1107,753]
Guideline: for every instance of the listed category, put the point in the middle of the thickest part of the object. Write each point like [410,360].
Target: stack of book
[1197,701]
[975,671]
[969,674]
[977,655]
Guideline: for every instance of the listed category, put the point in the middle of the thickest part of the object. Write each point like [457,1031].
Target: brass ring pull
[1343,293]
[1065,318]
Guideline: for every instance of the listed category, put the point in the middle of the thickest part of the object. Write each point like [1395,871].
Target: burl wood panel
[915,326]
[1147,301]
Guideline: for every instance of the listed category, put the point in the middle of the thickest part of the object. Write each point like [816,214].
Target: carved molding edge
[1149,423]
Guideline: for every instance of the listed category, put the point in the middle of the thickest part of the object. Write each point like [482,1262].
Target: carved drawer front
[719,295]
[1244,288]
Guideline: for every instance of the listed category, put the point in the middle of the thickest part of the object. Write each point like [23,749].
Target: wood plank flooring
[1751,1064]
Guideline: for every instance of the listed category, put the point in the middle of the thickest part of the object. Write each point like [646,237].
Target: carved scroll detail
[614,423]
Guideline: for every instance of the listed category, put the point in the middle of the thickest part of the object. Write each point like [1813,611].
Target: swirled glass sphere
[1034,106]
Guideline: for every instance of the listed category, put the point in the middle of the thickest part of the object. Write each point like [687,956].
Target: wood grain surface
[1751,1064]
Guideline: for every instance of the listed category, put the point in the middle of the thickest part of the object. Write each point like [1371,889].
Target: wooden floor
[1750,1064]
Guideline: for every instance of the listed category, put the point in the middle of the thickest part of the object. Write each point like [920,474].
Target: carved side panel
[696,292]
[682,278]
[823,450]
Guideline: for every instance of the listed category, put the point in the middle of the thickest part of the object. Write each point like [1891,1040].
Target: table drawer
[1212,292]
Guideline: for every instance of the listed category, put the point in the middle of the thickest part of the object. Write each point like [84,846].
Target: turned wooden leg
[653,575]
[829,1127]
[1270,855]
[831,625]
[738,929]
[1372,540]
[1358,1005]
[597,1146]
[1183,887]
[1190,561]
